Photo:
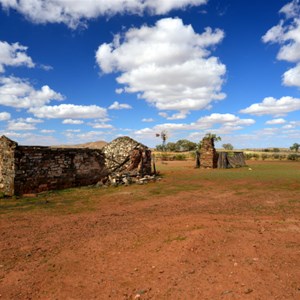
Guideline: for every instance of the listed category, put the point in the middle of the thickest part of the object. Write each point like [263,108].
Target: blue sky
[86,70]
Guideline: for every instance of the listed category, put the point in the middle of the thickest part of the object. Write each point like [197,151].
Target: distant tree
[227,146]
[295,147]
[171,147]
[185,145]
[159,147]
[276,150]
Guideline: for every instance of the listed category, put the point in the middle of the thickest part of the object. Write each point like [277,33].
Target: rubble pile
[127,161]
[126,179]
[125,154]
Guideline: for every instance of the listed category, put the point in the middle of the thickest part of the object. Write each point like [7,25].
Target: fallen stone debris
[126,179]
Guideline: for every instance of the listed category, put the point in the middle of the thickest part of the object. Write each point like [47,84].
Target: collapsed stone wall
[232,159]
[127,155]
[31,169]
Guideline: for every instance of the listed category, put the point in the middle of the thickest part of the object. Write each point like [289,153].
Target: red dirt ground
[193,244]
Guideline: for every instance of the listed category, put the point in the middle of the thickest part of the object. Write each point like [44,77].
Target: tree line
[185,145]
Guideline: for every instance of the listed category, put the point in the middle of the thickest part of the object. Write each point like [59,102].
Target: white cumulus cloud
[14,55]
[118,106]
[19,125]
[101,126]
[177,116]
[76,12]
[229,120]
[4,116]
[147,120]
[72,122]
[276,121]
[272,106]
[292,76]
[291,9]
[69,111]
[169,65]
[217,123]
[19,93]
[287,35]
[30,120]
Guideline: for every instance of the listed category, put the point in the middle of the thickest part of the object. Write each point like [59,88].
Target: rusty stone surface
[34,169]
[125,154]
[30,169]
[7,167]
[208,154]
[39,169]
[145,163]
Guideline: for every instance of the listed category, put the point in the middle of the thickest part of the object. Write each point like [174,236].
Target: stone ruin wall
[208,154]
[30,169]
[210,158]
[39,169]
[7,166]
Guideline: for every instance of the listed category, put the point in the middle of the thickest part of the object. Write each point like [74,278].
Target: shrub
[293,156]
[255,156]
[179,157]
[248,156]
[251,156]
[264,156]
[164,156]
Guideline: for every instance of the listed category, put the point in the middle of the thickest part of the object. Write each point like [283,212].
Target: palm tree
[213,136]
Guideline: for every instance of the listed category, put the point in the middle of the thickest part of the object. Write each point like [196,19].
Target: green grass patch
[251,186]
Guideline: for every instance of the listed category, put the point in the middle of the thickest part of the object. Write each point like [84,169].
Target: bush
[179,157]
[248,156]
[264,156]
[276,156]
[251,156]
[255,156]
[293,156]
[164,156]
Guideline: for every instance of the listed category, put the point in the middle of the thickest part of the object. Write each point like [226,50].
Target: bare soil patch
[196,234]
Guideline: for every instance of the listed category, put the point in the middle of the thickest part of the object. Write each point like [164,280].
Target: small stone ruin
[126,154]
[208,154]
[127,161]
[210,158]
